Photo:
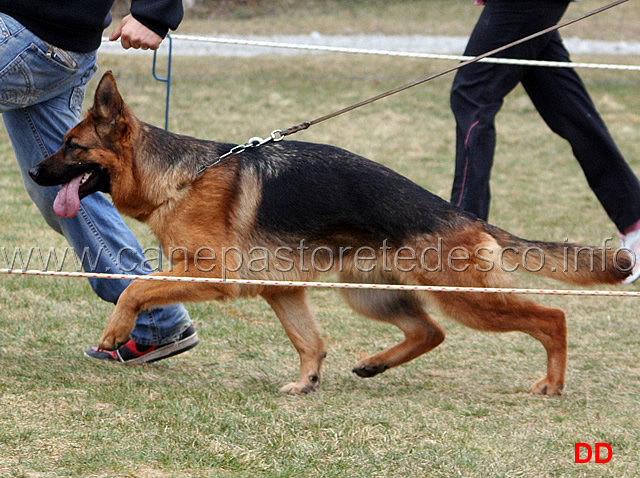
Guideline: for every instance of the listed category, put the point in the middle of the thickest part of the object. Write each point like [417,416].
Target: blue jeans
[41,93]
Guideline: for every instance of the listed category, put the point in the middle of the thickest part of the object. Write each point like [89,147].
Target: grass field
[423,17]
[462,410]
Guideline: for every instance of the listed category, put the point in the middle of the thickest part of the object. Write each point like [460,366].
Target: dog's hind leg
[292,308]
[403,310]
[506,313]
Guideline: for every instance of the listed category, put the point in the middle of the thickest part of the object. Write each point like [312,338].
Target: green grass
[462,410]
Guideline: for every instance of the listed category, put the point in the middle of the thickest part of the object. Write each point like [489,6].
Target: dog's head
[91,151]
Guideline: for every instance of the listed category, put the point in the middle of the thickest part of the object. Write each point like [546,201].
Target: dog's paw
[543,387]
[365,370]
[112,341]
[298,388]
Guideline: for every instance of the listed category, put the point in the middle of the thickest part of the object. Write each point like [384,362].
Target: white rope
[326,285]
[403,54]
[432,56]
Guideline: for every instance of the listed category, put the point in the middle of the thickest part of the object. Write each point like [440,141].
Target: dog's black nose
[37,174]
[34,173]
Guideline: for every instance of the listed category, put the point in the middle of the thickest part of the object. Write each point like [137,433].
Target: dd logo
[593,451]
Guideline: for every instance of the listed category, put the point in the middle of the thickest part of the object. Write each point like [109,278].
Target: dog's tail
[566,262]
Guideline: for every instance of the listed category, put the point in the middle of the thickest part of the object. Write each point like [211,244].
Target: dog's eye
[71,145]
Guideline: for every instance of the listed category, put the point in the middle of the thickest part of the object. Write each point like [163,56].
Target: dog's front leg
[292,309]
[144,294]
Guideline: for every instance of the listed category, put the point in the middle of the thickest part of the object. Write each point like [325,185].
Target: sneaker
[631,242]
[133,353]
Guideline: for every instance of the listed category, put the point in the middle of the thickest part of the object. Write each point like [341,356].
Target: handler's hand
[134,34]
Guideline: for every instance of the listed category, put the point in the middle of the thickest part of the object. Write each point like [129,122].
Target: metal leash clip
[275,136]
[254,142]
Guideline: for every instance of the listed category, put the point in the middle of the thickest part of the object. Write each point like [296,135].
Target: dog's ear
[107,102]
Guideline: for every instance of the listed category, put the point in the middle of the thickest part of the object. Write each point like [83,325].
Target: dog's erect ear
[107,102]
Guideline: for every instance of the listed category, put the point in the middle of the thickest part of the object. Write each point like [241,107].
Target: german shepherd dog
[310,210]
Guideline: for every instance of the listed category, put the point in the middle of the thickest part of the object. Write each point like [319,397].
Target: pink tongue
[67,201]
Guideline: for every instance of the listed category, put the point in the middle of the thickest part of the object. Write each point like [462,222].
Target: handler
[47,56]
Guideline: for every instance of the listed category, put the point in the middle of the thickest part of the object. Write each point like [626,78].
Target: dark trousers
[557,93]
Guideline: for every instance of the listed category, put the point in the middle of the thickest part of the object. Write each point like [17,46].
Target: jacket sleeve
[158,15]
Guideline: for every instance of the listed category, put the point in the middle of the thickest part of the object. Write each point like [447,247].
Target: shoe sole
[166,351]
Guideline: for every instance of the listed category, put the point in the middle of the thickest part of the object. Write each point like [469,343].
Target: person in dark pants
[561,99]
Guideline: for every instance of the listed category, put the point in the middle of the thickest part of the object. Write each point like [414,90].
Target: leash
[278,135]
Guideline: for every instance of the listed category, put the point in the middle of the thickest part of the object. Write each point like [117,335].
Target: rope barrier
[395,53]
[404,54]
[325,285]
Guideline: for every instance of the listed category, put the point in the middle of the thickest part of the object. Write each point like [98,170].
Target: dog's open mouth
[67,202]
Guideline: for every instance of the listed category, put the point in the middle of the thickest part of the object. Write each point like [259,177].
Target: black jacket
[77,25]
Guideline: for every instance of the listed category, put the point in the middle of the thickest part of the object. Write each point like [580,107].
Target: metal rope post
[166,80]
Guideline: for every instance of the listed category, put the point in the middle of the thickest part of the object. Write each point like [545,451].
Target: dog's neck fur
[173,152]
[166,167]
[166,164]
